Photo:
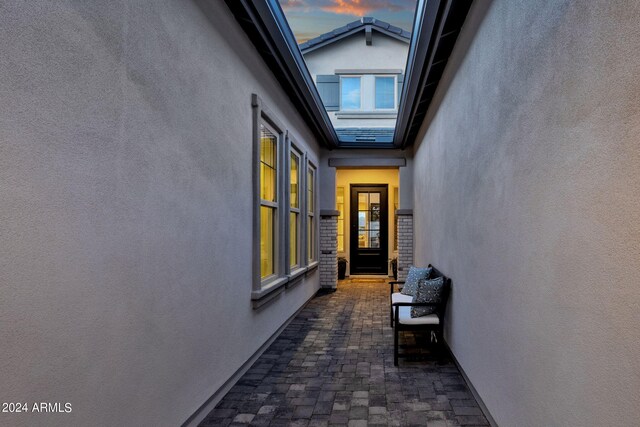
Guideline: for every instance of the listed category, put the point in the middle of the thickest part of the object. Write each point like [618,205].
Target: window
[280,213]
[311,205]
[294,207]
[268,199]
[350,93]
[367,92]
[385,93]
[340,208]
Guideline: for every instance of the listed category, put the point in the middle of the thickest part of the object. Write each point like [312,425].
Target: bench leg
[395,346]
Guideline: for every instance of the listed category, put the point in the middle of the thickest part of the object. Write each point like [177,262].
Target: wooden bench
[400,312]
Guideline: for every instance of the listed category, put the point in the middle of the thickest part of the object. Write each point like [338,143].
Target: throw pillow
[428,291]
[413,277]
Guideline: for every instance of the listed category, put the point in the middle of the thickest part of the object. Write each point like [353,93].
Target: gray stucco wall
[527,193]
[125,188]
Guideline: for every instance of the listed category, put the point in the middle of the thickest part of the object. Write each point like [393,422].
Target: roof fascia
[424,39]
[267,28]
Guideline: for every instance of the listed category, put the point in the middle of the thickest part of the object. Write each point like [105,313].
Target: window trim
[293,149]
[262,287]
[395,93]
[312,261]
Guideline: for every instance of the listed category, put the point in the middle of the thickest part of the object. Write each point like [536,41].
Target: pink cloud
[359,7]
[350,7]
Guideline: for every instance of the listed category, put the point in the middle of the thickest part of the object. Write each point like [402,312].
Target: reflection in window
[268,205]
[311,234]
[385,92]
[340,207]
[294,210]
[350,95]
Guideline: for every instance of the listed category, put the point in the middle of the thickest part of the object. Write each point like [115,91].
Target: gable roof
[366,24]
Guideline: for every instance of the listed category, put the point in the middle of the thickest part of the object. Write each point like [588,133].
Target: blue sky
[310,18]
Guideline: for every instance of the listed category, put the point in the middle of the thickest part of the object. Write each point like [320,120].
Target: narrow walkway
[333,365]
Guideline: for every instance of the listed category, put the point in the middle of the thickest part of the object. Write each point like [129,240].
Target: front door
[369,229]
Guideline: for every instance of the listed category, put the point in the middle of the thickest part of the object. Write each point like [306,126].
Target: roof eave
[267,28]
[346,34]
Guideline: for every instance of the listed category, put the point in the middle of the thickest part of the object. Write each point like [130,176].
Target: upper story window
[366,92]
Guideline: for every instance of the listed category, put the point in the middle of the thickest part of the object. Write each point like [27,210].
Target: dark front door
[369,229]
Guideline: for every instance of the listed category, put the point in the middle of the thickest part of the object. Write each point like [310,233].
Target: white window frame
[395,92]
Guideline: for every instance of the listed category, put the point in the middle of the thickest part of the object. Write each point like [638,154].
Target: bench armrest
[393,283]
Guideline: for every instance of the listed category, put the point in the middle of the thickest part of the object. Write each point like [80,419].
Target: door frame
[384,228]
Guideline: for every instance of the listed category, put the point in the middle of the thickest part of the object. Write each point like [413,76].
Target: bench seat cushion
[404,314]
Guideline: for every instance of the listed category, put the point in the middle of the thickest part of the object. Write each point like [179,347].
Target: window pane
[385,93]
[350,93]
[293,238]
[363,239]
[310,187]
[268,143]
[295,167]
[266,241]
[374,239]
[310,243]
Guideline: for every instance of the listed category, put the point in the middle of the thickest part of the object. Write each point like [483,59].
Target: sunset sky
[310,18]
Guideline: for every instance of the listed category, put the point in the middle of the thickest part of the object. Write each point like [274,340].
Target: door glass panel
[369,220]
[363,201]
[374,239]
[363,239]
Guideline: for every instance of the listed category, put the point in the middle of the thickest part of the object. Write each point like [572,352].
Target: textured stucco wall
[125,181]
[353,53]
[527,193]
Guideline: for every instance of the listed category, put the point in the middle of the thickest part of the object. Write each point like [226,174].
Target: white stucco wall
[527,193]
[353,53]
[125,180]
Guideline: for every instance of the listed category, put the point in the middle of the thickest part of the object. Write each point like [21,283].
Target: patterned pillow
[413,277]
[428,291]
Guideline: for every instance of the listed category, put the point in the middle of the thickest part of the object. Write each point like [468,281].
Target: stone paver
[333,366]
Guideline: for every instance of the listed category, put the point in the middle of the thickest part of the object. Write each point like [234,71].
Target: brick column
[328,249]
[405,241]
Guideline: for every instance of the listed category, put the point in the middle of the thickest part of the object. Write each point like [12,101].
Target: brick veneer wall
[405,242]
[329,249]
